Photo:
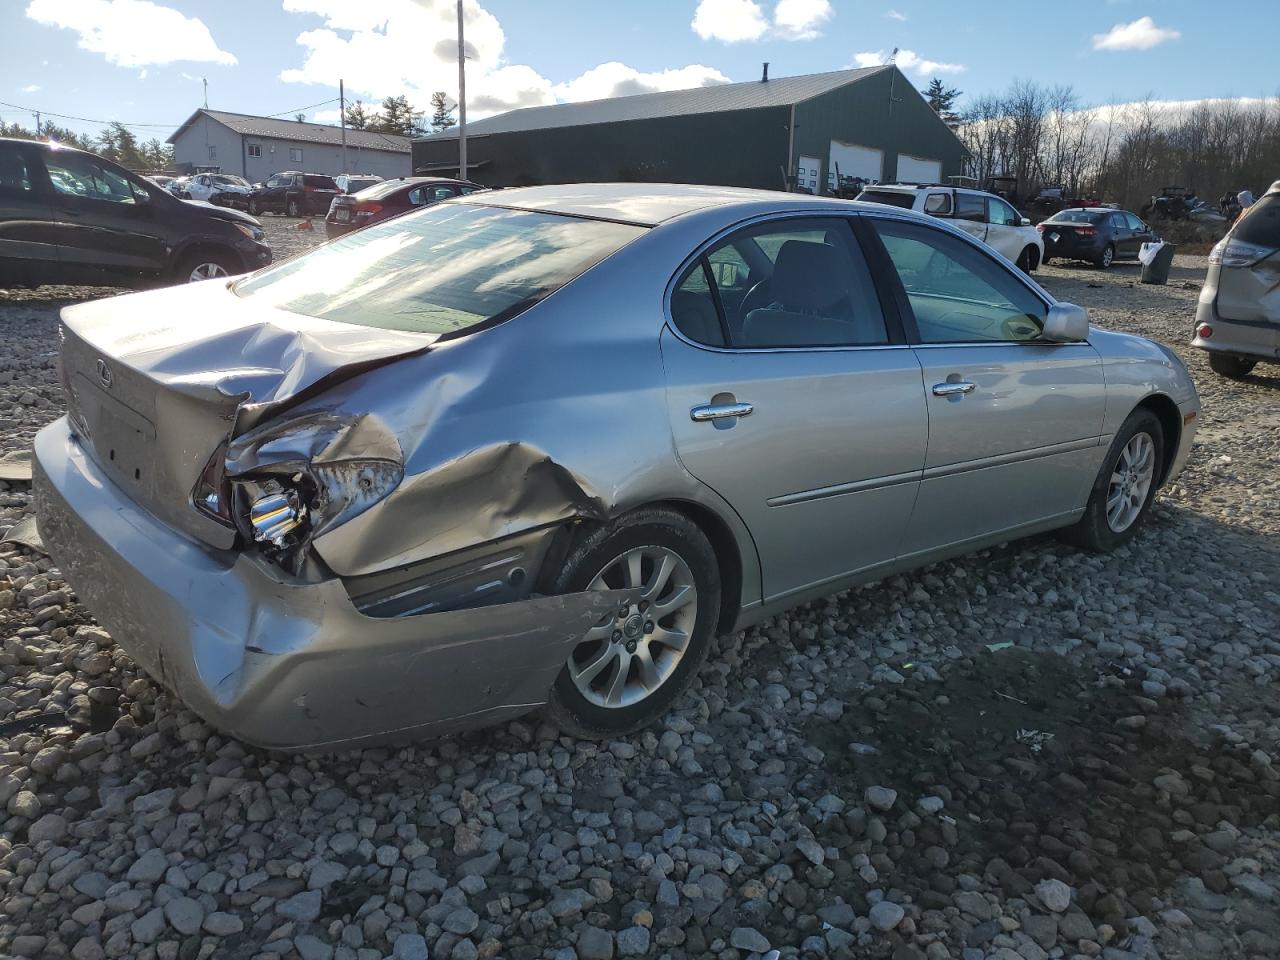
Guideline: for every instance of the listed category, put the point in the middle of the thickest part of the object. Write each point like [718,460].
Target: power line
[300,109]
[66,116]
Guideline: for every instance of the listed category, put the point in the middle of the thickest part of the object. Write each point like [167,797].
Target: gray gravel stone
[886,915]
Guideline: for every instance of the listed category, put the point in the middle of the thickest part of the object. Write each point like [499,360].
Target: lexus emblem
[104,373]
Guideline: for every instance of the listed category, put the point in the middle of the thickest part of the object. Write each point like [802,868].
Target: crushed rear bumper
[282,663]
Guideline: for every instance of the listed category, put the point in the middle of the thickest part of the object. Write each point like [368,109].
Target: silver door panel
[824,469]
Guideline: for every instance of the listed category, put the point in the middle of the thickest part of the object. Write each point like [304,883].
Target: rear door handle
[720,411]
[956,388]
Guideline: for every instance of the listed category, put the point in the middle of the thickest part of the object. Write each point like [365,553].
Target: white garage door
[855,161]
[918,170]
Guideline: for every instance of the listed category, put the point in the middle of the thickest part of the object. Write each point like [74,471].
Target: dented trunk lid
[157,381]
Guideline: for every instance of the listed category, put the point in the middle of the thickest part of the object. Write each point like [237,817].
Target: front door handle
[720,411]
[954,388]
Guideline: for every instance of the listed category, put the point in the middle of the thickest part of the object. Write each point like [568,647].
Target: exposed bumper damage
[280,662]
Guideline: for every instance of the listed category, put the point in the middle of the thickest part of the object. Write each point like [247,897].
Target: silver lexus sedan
[536,448]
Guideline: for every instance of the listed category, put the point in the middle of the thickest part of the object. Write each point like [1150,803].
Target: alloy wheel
[1108,255]
[635,649]
[1131,479]
[207,271]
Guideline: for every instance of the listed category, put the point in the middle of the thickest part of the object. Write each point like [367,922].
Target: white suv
[983,215]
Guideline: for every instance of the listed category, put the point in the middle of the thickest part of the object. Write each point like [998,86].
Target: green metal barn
[773,133]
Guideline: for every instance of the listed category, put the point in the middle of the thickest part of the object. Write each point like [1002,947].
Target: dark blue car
[1097,234]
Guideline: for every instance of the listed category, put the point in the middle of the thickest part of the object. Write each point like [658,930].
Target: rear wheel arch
[712,526]
[1170,418]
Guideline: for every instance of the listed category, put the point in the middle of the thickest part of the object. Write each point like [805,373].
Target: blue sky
[141,61]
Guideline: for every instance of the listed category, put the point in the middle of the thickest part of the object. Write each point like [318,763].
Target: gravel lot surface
[863,777]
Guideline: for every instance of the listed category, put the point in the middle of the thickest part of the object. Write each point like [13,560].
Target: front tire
[1226,365]
[254,209]
[292,208]
[633,665]
[1028,260]
[206,266]
[1125,486]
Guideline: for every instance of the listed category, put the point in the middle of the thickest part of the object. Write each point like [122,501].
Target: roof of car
[649,204]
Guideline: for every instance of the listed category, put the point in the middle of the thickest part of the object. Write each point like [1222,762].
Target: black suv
[67,216]
[297,194]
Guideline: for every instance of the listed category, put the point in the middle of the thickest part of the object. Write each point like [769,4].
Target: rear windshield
[353,185]
[440,270]
[1261,223]
[1076,216]
[383,188]
[324,183]
[892,197]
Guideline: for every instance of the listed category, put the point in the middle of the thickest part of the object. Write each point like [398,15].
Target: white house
[256,147]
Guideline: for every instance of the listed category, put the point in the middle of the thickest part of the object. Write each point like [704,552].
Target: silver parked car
[1238,315]
[540,446]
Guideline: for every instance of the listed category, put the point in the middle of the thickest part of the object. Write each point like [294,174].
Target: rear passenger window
[788,283]
[15,174]
[693,307]
[938,204]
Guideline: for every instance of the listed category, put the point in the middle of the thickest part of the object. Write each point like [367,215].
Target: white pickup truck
[983,215]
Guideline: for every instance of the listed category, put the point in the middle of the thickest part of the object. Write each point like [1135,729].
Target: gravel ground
[863,777]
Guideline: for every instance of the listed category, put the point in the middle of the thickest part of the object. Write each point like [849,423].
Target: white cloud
[132,33]
[895,15]
[326,116]
[616,79]
[731,21]
[800,19]
[377,46]
[907,60]
[31,88]
[1142,34]
[737,21]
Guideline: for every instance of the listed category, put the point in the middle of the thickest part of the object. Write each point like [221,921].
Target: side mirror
[1066,323]
[1024,222]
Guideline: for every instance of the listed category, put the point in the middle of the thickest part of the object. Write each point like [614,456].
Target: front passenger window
[1001,214]
[957,293]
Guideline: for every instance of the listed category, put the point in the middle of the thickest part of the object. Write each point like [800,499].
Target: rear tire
[1107,259]
[254,209]
[1227,365]
[1125,486]
[634,665]
[292,208]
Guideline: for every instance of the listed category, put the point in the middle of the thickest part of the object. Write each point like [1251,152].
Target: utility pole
[205,81]
[37,123]
[342,112]
[462,99]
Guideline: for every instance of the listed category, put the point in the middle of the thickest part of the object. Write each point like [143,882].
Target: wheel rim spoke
[648,669]
[589,671]
[677,640]
[678,598]
[662,573]
[632,569]
[619,685]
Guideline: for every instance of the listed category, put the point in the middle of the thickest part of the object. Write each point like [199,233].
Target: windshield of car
[233,181]
[441,270]
[1261,223]
[353,184]
[1076,216]
[892,197]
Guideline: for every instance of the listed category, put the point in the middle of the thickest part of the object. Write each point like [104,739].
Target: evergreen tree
[442,115]
[357,116]
[942,98]
[397,116]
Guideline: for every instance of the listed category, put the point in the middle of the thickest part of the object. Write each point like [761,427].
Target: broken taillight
[211,495]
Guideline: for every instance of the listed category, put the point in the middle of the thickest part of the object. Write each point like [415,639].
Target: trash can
[1155,268]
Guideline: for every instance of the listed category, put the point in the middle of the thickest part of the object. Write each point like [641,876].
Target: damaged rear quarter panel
[556,415]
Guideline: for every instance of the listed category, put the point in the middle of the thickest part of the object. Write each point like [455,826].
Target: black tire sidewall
[652,527]
[1093,531]
[1229,366]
